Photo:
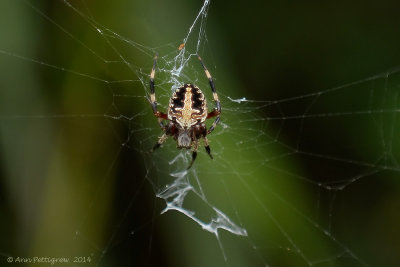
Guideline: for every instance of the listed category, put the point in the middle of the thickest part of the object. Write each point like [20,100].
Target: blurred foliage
[75,182]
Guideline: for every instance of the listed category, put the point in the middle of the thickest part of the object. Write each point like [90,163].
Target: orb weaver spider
[187,111]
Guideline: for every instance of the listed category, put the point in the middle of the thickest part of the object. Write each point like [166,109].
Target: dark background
[76,178]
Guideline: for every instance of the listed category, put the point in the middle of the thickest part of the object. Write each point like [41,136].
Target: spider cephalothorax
[186,114]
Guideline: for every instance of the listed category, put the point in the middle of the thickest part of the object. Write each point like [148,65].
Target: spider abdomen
[187,106]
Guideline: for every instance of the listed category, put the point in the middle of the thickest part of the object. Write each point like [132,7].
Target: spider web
[302,179]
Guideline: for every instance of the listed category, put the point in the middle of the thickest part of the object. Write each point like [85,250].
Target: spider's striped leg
[213,125]
[207,146]
[160,141]
[194,153]
[161,116]
[217,110]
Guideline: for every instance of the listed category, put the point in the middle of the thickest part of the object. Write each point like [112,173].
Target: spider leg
[217,110]
[194,153]
[207,146]
[161,116]
[160,141]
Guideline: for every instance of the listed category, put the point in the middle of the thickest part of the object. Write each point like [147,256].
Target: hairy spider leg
[160,141]
[161,116]
[207,146]
[194,153]
[201,132]
[217,110]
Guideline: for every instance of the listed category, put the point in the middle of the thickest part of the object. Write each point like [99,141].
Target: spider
[186,114]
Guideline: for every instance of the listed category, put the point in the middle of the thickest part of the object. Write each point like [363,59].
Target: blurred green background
[310,168]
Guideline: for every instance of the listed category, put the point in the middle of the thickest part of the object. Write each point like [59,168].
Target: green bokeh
[74,184]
